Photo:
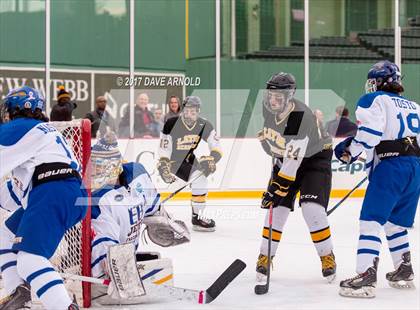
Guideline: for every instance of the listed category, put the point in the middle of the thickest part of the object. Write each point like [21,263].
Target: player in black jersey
[179,139]
[302,163]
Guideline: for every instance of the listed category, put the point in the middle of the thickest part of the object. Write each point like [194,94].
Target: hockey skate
[201,223]
[19,299]
[329,267]
[362,285]
[262,266]
[403,277]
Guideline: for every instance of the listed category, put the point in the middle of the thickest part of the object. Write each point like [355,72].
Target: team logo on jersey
[119,197]
[139,188]
[187,142]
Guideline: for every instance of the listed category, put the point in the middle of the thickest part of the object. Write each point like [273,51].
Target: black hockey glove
[207,165]
[164,168]
[276,191]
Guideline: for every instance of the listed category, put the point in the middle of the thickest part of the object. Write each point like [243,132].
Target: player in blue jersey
[47,191]
[389,131]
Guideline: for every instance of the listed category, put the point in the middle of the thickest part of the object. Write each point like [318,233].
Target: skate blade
[261,278]
[402,285]
[203,229]
[364,292]
[331,278]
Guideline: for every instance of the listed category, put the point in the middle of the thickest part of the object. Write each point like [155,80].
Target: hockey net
[73,254]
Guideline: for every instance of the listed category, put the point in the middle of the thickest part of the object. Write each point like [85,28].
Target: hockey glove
[164,168]
[207,165]
[342,152]
[276,191]
[264,143]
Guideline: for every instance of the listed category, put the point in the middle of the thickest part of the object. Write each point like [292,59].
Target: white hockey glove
[163,230]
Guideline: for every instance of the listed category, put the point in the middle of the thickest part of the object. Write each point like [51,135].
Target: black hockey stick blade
[223,281]
[261,289]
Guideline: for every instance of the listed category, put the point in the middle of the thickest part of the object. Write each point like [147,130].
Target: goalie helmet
[191,110]
[385,76]
[106,162]
[280,90]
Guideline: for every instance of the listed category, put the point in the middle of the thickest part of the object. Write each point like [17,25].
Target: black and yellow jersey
[292,137]
[179,141]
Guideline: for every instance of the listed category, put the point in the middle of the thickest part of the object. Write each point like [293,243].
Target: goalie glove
[164,168]
[276,191]
[207,165]
[163,230]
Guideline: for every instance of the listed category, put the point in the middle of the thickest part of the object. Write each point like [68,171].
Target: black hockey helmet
[282,80]
[189,116]
[280,89]
[192,101]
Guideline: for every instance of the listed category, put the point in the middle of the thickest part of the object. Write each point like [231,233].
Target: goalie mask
[190,110]
[106,162]
[280,90]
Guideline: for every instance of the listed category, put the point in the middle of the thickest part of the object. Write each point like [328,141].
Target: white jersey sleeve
[383,116]
[165,147]
[8,198]
[26,143]
[117,213]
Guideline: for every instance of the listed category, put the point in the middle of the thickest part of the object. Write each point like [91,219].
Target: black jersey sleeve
[169,125]
[208,128]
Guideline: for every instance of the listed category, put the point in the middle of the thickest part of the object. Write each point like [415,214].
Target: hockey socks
[369,245]
[8,261]
[317,221]
[280,215]
[397,238]
[45,282]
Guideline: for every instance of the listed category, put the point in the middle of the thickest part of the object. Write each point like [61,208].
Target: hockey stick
[198,296]
[363,160]
[180,189]
[347,196]
[261,289]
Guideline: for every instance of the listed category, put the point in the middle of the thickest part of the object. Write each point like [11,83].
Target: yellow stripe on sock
[275,236]
[201,198]
[164,279]
[321,235]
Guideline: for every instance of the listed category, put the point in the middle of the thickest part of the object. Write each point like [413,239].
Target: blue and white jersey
[383,116]
[24,144]
[117,212]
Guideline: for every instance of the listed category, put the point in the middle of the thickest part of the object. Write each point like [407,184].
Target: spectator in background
[319,115]
[63,109]
[341,126]
[100,118]
[174,108]
[143,119]
[157,125]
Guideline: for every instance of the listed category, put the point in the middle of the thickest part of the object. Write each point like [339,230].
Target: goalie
[123,199]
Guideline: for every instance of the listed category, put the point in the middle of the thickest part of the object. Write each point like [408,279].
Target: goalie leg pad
[154,272]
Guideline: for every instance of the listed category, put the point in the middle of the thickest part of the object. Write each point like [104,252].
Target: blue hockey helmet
[24,98]
[384,75]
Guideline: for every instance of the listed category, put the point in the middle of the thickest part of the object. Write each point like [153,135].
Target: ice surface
[297,282]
